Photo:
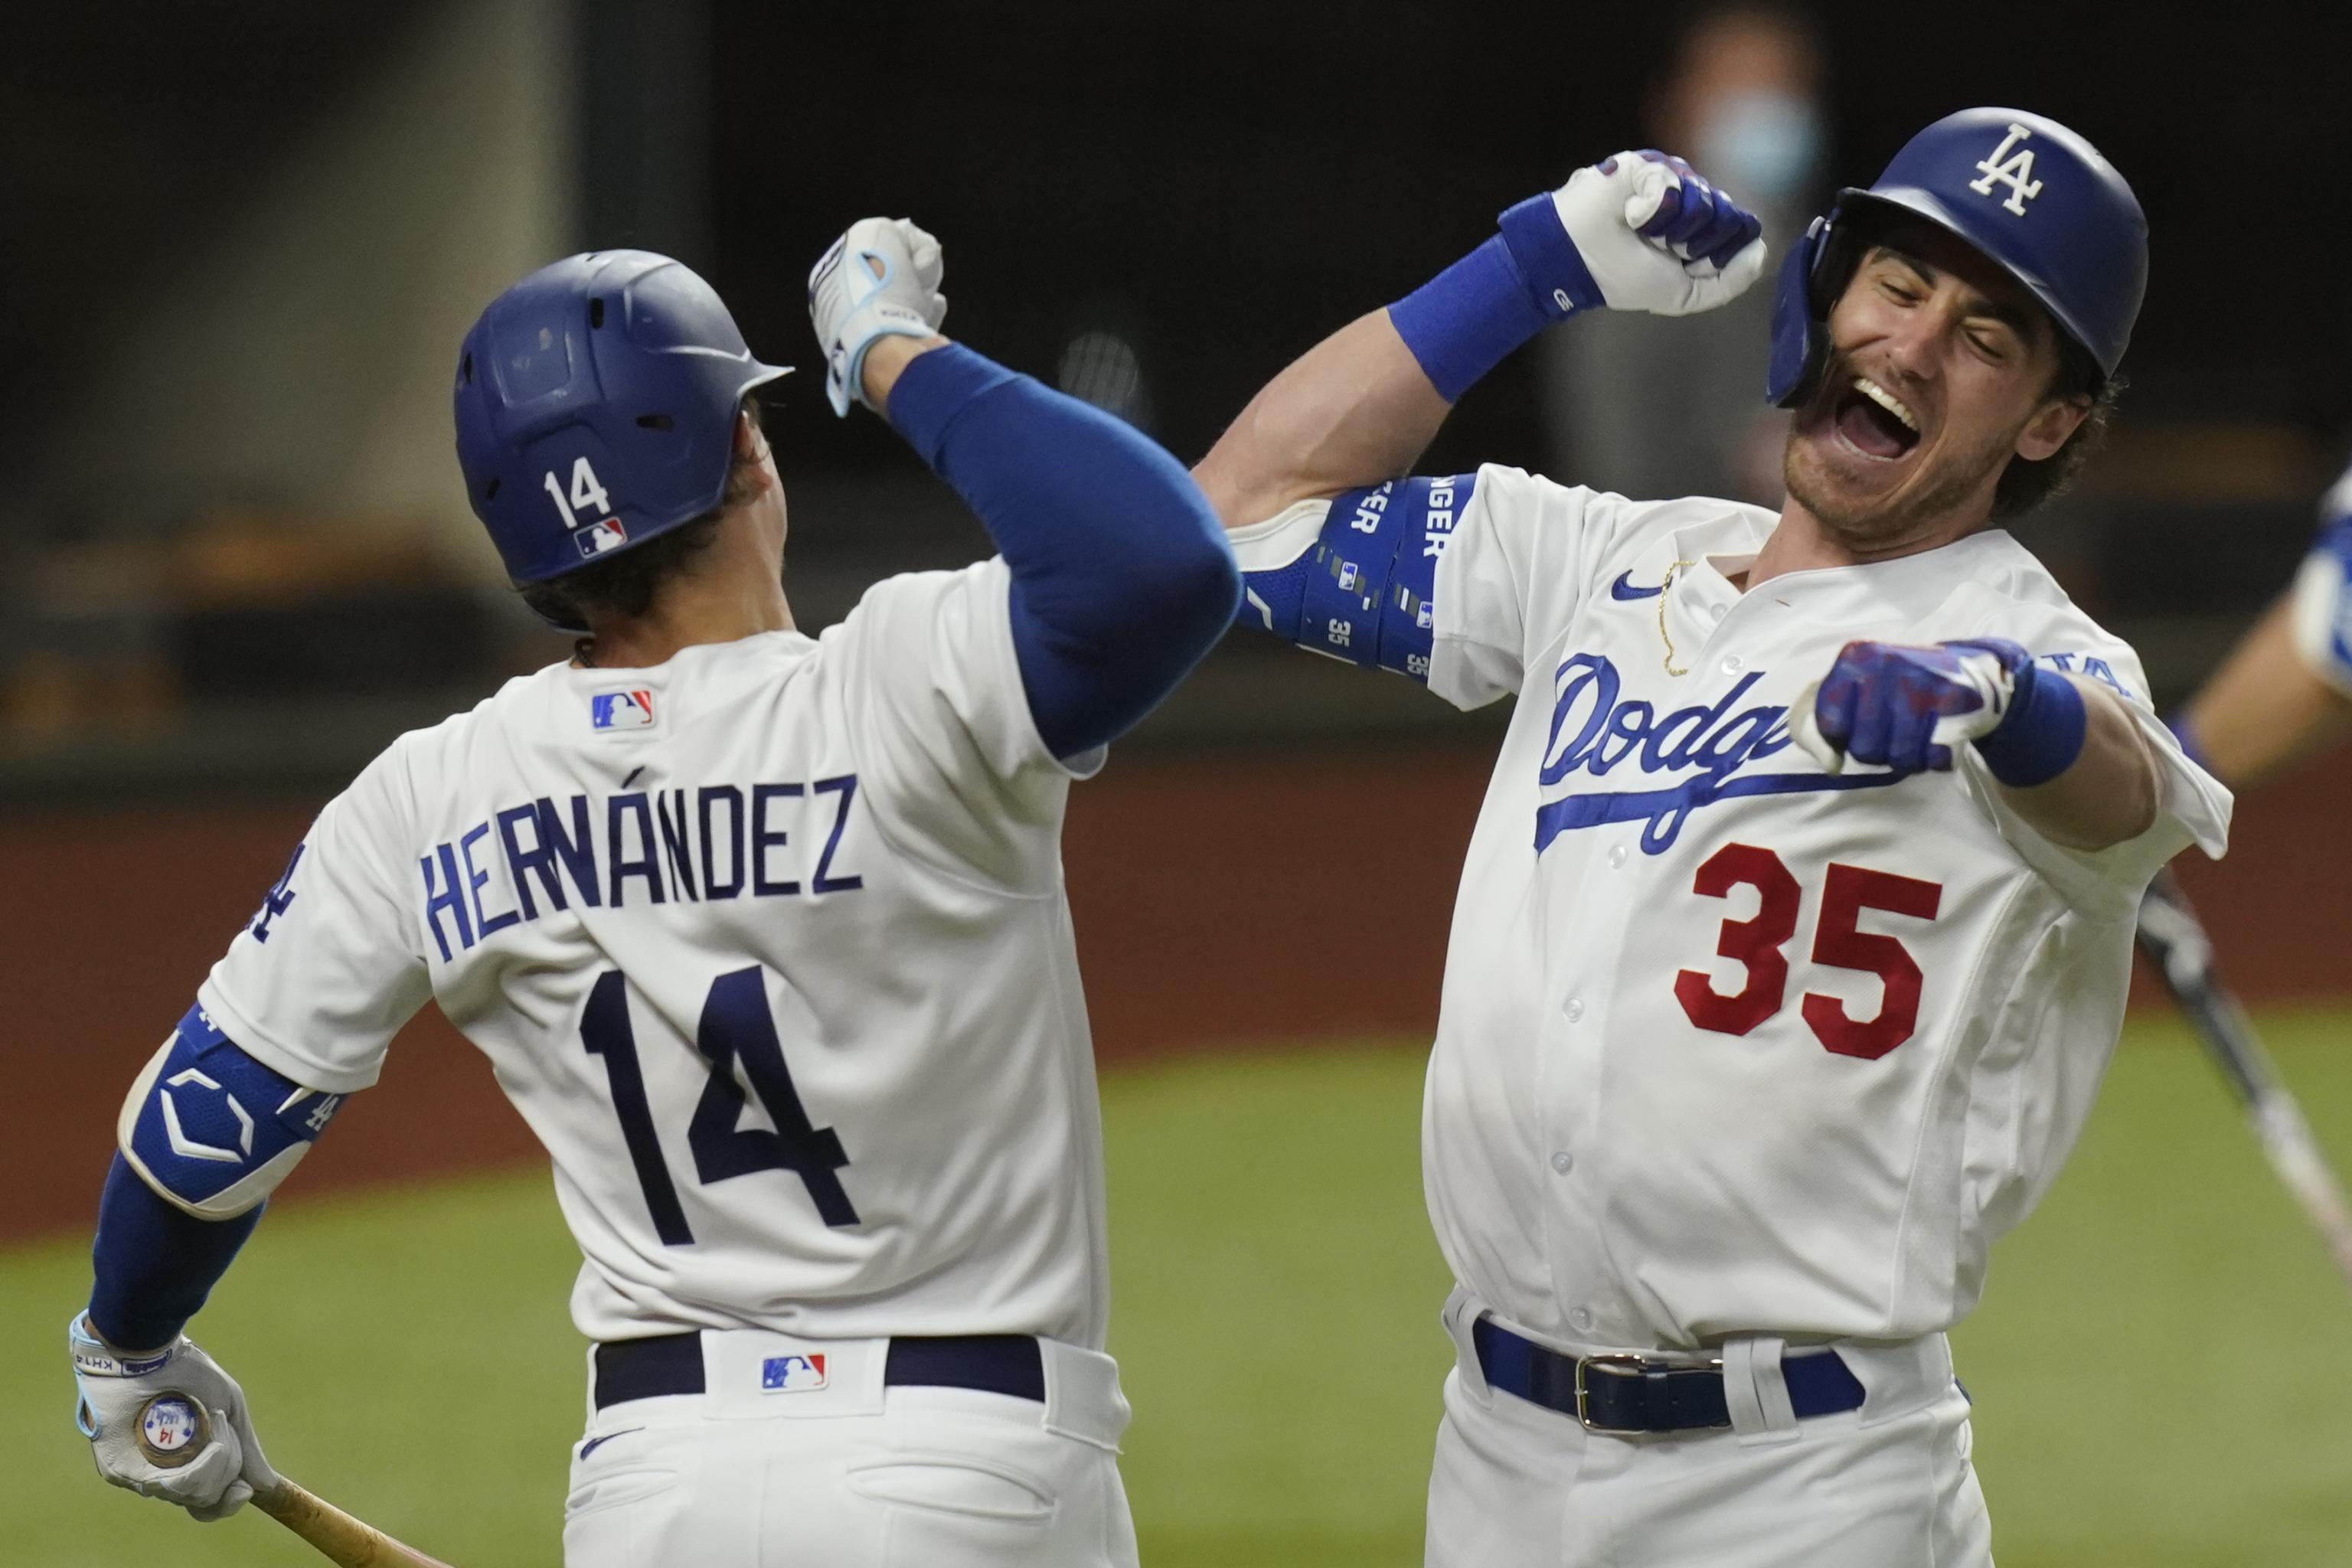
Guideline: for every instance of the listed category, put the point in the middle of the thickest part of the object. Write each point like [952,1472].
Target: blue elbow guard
[1362,595]
[211,1129]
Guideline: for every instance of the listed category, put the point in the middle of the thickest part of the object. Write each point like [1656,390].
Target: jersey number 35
[1839,943]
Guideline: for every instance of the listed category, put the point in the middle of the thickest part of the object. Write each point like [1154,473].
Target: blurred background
[245,237]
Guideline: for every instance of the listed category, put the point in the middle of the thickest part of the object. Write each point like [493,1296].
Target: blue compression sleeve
[155,1264]
[1121,575]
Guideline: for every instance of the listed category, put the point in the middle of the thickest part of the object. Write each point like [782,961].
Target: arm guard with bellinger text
[1362,592]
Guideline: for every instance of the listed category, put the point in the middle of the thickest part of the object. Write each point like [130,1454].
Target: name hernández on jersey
[697,844]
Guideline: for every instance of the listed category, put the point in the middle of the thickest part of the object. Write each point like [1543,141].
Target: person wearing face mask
[1650,407]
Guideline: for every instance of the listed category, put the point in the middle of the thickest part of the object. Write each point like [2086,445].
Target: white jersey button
[1734,665]
[1617,858]
[1574,1009]
[1582,1320]
[1563,1162]
[1716,611]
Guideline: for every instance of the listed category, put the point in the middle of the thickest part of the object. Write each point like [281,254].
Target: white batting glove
[1657,236]
[226,1472]
[2321,621]
[880,278]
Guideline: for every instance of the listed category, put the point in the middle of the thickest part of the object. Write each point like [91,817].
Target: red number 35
[1838,944]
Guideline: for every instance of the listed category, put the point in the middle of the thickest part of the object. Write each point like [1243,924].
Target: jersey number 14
[736,1027]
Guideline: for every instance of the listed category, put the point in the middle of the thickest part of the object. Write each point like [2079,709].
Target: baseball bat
[174,1428]
[2176,943]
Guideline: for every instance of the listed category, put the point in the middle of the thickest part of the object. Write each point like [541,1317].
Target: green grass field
[2162,1367]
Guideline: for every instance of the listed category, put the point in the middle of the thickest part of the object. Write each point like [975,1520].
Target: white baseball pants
[853,1474]
[1888,1486]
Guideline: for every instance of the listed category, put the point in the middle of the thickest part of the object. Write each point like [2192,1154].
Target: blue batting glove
[1905,708]
[1638,231]
[1693,219]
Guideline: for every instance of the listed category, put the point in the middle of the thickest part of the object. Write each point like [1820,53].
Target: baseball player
[2286,688]
[1794,934]
[763,934]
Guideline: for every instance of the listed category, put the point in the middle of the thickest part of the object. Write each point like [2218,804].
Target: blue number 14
[736,1026]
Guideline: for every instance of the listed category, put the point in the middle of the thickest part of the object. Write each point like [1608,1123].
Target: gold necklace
[1662,635]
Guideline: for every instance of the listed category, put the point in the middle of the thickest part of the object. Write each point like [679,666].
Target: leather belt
[1630,1395]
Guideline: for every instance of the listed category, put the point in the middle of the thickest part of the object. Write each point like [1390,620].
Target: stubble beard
[1871,526]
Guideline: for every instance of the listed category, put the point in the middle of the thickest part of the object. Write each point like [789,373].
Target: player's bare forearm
[1640,231]
[2264,707]
[1353,410]
[2108,794]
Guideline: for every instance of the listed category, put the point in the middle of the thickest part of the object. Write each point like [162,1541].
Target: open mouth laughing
[1873,421]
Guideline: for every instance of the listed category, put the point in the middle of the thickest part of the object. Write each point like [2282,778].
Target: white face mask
[1762,146]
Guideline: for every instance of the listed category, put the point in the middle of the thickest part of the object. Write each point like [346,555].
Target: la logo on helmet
[2016,172]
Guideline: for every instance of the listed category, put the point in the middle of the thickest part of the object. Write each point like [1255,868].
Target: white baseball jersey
[1729,1046]
[769,945]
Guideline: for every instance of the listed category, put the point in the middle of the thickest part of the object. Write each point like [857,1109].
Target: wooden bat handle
[345,1542]
[174,1427]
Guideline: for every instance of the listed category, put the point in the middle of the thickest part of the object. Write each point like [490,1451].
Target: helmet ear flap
[1799,322]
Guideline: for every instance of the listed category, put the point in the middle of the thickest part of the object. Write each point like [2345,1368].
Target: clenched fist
[880,278]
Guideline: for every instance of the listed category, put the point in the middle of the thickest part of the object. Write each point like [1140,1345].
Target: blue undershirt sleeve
[155,1264]
[1121,575]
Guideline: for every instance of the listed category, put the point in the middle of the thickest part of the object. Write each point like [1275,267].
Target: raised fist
[1657,236]
[880,278]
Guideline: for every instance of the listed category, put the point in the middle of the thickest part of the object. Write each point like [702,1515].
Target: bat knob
[173,1430]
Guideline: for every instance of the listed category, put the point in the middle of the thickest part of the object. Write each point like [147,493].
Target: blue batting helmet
[597,403]
[2034,196]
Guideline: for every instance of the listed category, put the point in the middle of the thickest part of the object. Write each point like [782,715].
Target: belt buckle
[1621,1364]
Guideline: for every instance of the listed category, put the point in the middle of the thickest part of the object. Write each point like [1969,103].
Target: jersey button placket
[1702,601]
[1583,940]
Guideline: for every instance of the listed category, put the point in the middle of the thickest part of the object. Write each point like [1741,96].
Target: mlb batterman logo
[598,537]
[793,1374]
[621,710]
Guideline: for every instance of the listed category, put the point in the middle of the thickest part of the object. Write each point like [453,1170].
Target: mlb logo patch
[598,537]
[793,1374]
[621,710]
